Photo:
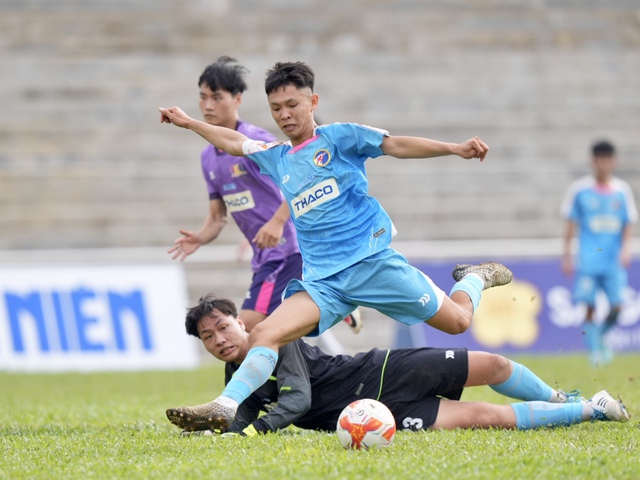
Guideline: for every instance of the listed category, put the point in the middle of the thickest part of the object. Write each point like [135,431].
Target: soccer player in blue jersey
[236,187]
[421,386]
[344,234]
[600,209]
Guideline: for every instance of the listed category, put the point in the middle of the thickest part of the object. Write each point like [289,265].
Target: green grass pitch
[112,425]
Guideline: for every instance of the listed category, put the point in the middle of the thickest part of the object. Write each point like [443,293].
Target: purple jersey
[250,197]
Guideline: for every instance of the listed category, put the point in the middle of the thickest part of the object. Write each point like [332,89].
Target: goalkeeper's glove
[249,431]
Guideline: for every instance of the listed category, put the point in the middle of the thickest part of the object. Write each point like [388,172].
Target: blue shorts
[384,281]
[612,283]
[265,293]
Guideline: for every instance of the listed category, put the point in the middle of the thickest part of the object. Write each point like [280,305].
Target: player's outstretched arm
[417,147]
[223,138]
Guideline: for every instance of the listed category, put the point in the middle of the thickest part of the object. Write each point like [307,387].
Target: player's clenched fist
[473,148]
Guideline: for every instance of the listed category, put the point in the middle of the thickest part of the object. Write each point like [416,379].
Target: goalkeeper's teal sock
[542,414]
[472,285]
[523,384]
[252,374]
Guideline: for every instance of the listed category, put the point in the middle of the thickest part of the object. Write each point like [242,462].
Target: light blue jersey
[324,180]
[601,213]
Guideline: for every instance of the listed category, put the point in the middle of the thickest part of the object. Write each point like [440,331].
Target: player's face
[292,109]
[603,166]
[219,107]
[224,336]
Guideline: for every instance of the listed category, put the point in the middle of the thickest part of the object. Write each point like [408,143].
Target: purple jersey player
[236,187]
[250,198]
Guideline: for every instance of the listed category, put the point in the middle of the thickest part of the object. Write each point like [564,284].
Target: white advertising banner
[87,318]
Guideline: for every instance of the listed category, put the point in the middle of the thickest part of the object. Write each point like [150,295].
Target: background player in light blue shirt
[344,234]
[600,209]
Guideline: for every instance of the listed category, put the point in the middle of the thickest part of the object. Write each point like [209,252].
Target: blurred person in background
[236,186]
[599,210]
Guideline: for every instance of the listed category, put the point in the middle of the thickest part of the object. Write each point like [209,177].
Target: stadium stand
[84,163]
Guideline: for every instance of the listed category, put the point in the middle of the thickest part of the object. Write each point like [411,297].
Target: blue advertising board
[94,317]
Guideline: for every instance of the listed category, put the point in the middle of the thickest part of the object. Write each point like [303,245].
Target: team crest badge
[322,158]
[237,170]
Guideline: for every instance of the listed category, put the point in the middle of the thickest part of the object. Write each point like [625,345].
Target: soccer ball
[366,424]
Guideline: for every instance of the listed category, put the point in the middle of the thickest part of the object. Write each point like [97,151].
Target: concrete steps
[85,163]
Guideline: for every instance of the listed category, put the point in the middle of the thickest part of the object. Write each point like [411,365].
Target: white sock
[227,402]
[558,397]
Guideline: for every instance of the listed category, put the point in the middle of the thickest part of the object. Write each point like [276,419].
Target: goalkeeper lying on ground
[310,388]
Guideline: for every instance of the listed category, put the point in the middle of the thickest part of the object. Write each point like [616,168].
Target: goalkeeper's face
[224,336]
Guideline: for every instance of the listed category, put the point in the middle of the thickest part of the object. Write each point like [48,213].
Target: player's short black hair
[224,74]
[603,149]
[204,307]
[298,74]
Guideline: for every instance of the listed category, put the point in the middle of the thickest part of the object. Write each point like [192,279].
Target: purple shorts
[268,283]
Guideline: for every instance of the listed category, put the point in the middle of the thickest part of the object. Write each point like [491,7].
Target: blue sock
[523,384]
[592,337]
[472,285]
[541,414]
[254,371]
